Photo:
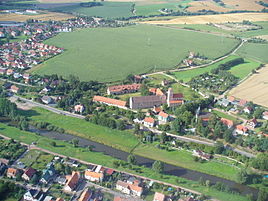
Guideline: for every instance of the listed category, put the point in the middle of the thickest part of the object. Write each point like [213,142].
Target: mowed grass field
[110,54]
[240,71]
[255,88]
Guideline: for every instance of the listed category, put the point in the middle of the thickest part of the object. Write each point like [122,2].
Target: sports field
[254,88]
[110,54]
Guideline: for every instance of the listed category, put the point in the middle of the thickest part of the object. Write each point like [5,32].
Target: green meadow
[126,141]
[108,10]
[110,54]
[240,71]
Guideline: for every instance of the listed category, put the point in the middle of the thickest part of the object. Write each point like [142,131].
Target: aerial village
[152,108]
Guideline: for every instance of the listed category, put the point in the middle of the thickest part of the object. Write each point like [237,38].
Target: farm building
[110,101]
[123,89]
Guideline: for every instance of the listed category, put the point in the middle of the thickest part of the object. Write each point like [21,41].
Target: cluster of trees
[186,114]
[11,150]
[91,4]
[48,126]
[219,79]
[73,91]
[263,3]
[108,122]
[227,65]
[10,190]
[10,110]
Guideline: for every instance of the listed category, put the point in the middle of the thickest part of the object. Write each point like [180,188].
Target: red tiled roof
[119,88]
[73,180]
[12,171]
[159,196]
[153,90]
[110,101]
[163,114]
[227,122]
[30,172]
[231,98]
[159,92]
[149,119]
[93,174]
[179,95]
[176,101]
[243,102]
[242,128]
[85,195]
[109,171]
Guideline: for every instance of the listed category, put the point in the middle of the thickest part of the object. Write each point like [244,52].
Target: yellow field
[222,18]
[265,37]
[44,17]
[249,5]
[254,89]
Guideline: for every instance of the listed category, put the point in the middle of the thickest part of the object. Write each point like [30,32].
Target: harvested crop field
[254,88]
[230,5]
[45,16]
[222,18]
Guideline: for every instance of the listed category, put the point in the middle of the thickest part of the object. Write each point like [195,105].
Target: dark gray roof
[142,99]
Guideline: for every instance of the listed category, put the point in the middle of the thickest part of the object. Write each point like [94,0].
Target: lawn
[36,159]
[108,10]
[110,54]
[254,51]
[188,93]
[242,70]
[118,139]
[226,116]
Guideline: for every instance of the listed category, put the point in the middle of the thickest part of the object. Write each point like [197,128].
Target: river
[168,169]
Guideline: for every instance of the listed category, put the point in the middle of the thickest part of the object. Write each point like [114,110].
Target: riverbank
[126,141]
[67,149]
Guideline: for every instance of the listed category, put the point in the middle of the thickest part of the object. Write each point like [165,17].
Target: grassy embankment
[99,158]
[126,141]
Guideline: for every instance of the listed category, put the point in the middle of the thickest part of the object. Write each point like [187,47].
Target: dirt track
[222,18]
[254,89]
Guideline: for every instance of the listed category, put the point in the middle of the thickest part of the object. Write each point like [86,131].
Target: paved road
[186,139]
[52,109]
[17,83]
[203,65]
